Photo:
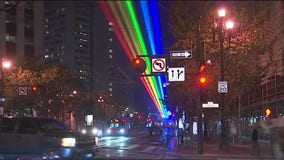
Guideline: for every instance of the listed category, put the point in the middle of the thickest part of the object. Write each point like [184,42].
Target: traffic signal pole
[199,123]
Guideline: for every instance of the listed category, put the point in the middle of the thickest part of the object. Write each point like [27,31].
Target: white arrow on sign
[181,54]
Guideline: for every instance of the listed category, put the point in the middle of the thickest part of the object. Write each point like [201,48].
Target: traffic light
[34,88]
[268,112]
[139,65]
[202,80]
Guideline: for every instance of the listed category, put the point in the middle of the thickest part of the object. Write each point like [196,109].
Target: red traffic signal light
[202,80]
[34,88]
[139,65]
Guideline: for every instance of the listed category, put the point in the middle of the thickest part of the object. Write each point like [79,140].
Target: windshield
[46,125]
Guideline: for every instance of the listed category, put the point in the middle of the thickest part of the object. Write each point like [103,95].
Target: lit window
[110,50]
[110,89]
[110,84]
[110,56]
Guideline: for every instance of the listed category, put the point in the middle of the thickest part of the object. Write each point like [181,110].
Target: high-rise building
[68,37]
[21,29]
[78,34]
[113,73]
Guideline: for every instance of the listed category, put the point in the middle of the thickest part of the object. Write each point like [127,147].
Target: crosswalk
[114,147]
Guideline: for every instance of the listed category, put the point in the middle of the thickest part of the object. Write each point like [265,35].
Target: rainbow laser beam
[125,22]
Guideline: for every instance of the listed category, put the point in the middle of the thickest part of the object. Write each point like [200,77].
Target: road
[139,145]
[135,145]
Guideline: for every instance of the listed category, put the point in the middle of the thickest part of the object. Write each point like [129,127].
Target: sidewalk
[242,150]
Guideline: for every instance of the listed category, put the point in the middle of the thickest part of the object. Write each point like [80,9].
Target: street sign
[210,105]
[222,86]
[181,54]
[159,65]
[176,74]
[23,91]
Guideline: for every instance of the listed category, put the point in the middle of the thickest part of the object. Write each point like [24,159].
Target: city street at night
[141,79]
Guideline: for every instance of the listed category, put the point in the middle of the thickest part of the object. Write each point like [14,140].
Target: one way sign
[176,74]
[181,54]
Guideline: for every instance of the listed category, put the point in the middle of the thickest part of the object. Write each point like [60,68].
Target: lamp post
[224,144]
[6,64]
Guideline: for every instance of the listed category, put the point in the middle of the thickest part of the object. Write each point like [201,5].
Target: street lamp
[6,64]
[224,144]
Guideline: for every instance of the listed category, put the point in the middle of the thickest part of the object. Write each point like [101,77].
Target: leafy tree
[12,81]
[192,23]
[54,97]
[57,86]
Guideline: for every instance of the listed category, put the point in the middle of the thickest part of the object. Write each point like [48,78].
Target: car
[116,128]
[93,131]
[42,138]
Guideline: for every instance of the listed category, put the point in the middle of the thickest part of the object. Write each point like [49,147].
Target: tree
[58,84]
[193,22]
[55,86]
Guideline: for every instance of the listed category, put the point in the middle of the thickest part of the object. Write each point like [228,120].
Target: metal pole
[223,143]
[199,124]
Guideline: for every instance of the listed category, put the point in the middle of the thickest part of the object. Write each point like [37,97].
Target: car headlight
[84,131]
[108,131]
[68,142]
[95,131]
[121,130]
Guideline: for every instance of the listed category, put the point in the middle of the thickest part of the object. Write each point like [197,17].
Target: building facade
[21,29]
[270,93]
[78,34]
[68,38]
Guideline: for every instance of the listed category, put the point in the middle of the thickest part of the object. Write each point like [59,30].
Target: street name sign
[176,74]
[181,54]
[222,86]
[210,105]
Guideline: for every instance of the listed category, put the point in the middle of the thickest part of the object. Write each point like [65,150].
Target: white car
[42,138]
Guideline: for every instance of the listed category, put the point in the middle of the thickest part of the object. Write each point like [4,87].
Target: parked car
[42,138]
